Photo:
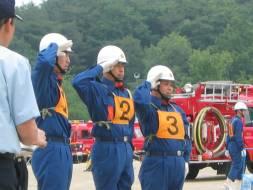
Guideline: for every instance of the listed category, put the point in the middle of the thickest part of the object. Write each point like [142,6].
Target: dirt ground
[82,180]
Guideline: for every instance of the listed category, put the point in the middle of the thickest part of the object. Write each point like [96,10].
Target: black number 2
[173,129]
[125,112]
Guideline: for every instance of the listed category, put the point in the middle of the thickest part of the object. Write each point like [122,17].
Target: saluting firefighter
[18,106]
[165,127]
[111,108]
[235,146]
[52,166]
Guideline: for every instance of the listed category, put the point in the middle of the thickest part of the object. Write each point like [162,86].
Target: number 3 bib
[171,125]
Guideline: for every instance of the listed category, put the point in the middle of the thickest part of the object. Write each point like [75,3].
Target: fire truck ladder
[224,91]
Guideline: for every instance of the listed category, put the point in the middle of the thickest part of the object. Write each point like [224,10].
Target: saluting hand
[154,80]
[108,65]
[63,47]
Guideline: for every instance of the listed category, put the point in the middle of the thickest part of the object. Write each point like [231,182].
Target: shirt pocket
[108,99]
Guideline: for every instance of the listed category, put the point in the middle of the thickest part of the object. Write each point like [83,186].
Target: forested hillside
[198,39]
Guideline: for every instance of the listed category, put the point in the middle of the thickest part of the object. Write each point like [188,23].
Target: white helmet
[53,38]
[240,106]
[111,52]
[166,73]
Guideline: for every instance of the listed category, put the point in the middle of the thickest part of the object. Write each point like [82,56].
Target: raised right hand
[64,47]
[108,65]
[49,54]
[154,80]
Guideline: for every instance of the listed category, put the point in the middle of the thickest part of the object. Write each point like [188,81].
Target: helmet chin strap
[166,98]
[59,67]
[61,70]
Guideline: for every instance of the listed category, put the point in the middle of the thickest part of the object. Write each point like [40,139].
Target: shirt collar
[108,83]
[159,102]
[111,84]
[156,101]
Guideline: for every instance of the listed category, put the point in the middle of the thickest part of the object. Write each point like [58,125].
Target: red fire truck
[138,139]
[82,140]
[209,107]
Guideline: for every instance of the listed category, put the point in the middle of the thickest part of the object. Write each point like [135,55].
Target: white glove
[64,47]
[108,65]
[186,170]
[227,153]
[243,153]
[154,80]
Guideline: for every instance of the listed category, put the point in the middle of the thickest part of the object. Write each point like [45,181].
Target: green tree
[205,65]
[173,51]
[77,109]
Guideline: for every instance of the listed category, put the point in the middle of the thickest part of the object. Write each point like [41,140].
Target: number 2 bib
[171,125]
[124,110]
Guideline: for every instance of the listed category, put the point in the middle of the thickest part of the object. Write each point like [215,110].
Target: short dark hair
[5,20]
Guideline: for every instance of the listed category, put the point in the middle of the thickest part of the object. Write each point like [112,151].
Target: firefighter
[52,166]
[111,108]
[18,107]
[165,127]
[235,146]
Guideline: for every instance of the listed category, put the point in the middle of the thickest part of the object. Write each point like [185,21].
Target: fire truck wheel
[193,172]
[198,125]
[250,166]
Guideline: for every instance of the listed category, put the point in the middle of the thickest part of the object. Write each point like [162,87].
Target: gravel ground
[82,180]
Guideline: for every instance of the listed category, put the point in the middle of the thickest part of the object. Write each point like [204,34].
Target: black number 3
[173,129]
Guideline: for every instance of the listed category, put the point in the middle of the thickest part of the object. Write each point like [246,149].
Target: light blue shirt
[17,99]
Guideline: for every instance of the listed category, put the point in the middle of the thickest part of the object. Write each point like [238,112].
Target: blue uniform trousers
[112,165]
[237,163]
[162,172]
[52,166]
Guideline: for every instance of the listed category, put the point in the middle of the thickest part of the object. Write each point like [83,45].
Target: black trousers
[8,174]
[13,173]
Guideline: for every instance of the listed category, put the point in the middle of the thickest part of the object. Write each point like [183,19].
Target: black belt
[113,139]
[9,156]
[175,153]
[64,140]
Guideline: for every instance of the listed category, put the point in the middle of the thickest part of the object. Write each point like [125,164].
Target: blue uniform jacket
[148,118]
[237,139]
[97,95]
[47,93]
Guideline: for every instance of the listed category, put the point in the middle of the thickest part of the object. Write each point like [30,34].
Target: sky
[22,2]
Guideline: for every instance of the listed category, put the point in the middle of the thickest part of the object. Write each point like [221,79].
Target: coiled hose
[197,126]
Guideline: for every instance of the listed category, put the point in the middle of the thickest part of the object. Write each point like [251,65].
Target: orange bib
[230,129]
[62,106]
[124,110]
[171,125]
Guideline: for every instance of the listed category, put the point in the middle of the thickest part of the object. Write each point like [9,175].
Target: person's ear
[9,24]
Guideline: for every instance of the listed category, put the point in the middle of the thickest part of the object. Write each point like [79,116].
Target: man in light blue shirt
[18,107]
